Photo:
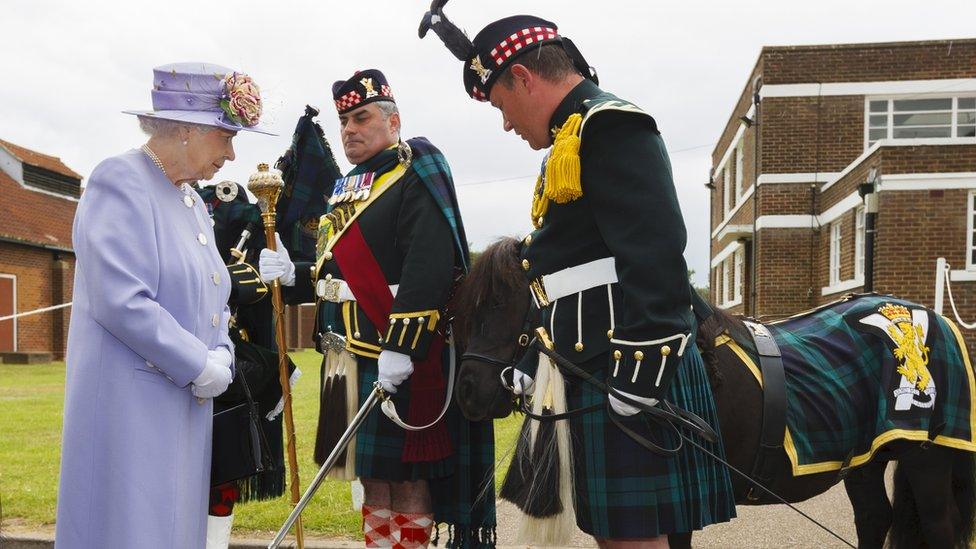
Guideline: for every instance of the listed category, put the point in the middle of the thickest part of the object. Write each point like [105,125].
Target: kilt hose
[624,491]
[462,486]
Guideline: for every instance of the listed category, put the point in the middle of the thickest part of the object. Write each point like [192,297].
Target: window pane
[972,257]
[923,119]
[879,106]
[879,121]
[875,135]
[967,103]
[966,118]
[943,104]
[908,133]
[966,131]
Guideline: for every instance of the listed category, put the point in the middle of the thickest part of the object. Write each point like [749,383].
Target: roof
[34,158]
[34,217]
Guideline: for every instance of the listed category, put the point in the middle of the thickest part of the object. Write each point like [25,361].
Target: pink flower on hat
[242,99]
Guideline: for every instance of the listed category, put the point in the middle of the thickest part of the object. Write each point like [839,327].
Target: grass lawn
[31,400]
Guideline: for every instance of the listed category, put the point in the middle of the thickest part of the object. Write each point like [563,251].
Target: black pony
[935,486]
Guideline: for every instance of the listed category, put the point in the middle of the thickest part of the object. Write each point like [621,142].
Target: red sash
[427,385]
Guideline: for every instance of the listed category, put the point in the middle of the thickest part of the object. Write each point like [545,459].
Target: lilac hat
[202,93]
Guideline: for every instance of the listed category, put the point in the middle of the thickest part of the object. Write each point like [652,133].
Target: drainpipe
[756,100]
[868,192]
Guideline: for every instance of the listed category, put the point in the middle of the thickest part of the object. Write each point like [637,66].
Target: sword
[374,397]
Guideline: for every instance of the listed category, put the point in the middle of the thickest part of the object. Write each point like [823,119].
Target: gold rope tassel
[563,167]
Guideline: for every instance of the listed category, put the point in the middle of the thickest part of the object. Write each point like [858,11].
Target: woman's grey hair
[162,128]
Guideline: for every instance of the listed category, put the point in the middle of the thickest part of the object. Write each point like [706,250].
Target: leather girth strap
[774,406]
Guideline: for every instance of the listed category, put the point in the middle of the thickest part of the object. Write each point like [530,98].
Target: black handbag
[240,448]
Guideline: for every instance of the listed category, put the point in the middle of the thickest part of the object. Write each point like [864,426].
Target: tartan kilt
[624,491]
[379,441]
[461,485]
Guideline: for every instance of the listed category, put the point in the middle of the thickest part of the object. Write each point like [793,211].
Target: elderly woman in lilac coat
[148,347]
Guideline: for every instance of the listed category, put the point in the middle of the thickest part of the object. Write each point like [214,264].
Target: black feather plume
[454,38]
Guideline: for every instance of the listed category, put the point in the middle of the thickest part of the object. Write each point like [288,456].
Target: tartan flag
[309,171]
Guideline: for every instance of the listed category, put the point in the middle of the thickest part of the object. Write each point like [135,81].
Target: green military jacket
[628,214]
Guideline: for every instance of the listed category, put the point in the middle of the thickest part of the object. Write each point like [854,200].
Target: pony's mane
[493,277]
[717,323]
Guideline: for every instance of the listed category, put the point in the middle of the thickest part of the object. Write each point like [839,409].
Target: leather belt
[573,280]
[337,291]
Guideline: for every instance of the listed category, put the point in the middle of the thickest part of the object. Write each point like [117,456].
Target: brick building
[817,128]
[38,197]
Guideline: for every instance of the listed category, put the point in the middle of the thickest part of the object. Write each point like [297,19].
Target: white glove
[625,409]
[216,376]
[394,368]
[277,264]
[522,383]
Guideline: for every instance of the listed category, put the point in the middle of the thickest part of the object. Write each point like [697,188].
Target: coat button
[528,239]
[215,319]
[578,346]
[187,201]
[216,278]
[202,239]
[327,256]
[525,264]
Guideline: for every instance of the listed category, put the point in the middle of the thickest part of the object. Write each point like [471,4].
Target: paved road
[769,526]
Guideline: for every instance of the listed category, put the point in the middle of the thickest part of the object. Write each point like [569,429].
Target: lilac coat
[150,298]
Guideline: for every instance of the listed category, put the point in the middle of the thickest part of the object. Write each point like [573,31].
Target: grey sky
[69,68]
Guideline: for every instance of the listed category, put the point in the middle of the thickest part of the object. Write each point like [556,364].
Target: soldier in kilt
[252,330]
[391,250]
[606,266]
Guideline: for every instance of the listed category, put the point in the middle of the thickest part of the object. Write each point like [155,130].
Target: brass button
[406,321]
[525,264]
[638,355]
[578,346]
[617,354]
[392,321]
[379,340]
[539,221]
[665,350]
[528,239]
[328,256]
[356,335]
[202,239]
[609,334]
[215,319]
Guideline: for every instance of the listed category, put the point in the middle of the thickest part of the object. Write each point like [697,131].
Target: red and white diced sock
[376,527]
[411,530]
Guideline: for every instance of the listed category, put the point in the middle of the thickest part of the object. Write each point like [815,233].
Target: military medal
[352,188]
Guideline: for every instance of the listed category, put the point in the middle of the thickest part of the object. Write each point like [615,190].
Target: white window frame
[738,259]
[835,253]
[859,241]
[738,170]
[890,122]
[726,298]
[14,278]
[970,240]
[726,193]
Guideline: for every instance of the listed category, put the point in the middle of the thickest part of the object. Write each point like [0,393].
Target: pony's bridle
[524,338]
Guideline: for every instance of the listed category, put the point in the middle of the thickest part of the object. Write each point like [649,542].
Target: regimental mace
[266,185]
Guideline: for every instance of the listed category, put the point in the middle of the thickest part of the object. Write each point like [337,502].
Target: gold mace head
[266,185]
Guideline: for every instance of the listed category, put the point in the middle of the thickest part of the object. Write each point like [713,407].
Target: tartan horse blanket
[865,371]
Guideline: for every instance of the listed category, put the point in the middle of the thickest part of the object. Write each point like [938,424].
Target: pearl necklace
[152,156]
[188,198]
